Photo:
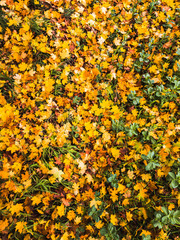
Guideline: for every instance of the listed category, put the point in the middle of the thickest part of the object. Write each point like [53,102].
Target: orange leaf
[65,202]
[3,224]
[129,216]
[20,226]
[16,208]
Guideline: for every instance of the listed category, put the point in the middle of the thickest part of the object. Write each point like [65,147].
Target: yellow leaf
[82,166]
[177,144]
[38,140]
[71,215]
[76,188]
[121,188]
[3,224]
[114,195]
[143,212]
[125,202]
[16,208]
[20,226]
[26,27]
[153,69]
[171,206]
[13,148]
[106,137]
[138,186]
[79,210]
[117,42]
[113,219]
[4,174]
[88,126]
[130,174]
[36,199]
[115,152]
[65,54]
[178,198]
[17,166]
[2,83]
[27,183]
[160,173]
[77,220]
[95,203]
[99,224]
[89,178]
[142,193]
[56,173]
[146,177]
[129,216]
[65,236]
[39,211]
[61,210]
[103,190]
[146,233]
[23,66]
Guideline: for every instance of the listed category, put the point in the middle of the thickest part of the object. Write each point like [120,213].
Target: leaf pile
[89,119]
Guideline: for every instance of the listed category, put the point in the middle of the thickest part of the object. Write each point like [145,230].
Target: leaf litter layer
[89,119]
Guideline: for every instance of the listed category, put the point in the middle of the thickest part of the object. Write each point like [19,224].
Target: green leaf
[164,209]
[143,155]
[177,221]
[155,164]
[96,218]
[144,237]
[178,51]
[173,221]
[177,214]
[103,231]
[158,224]
[172,175]
[149,166]
[151,154]
[158,215]
[174,184]
[165,219]
[111,227]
